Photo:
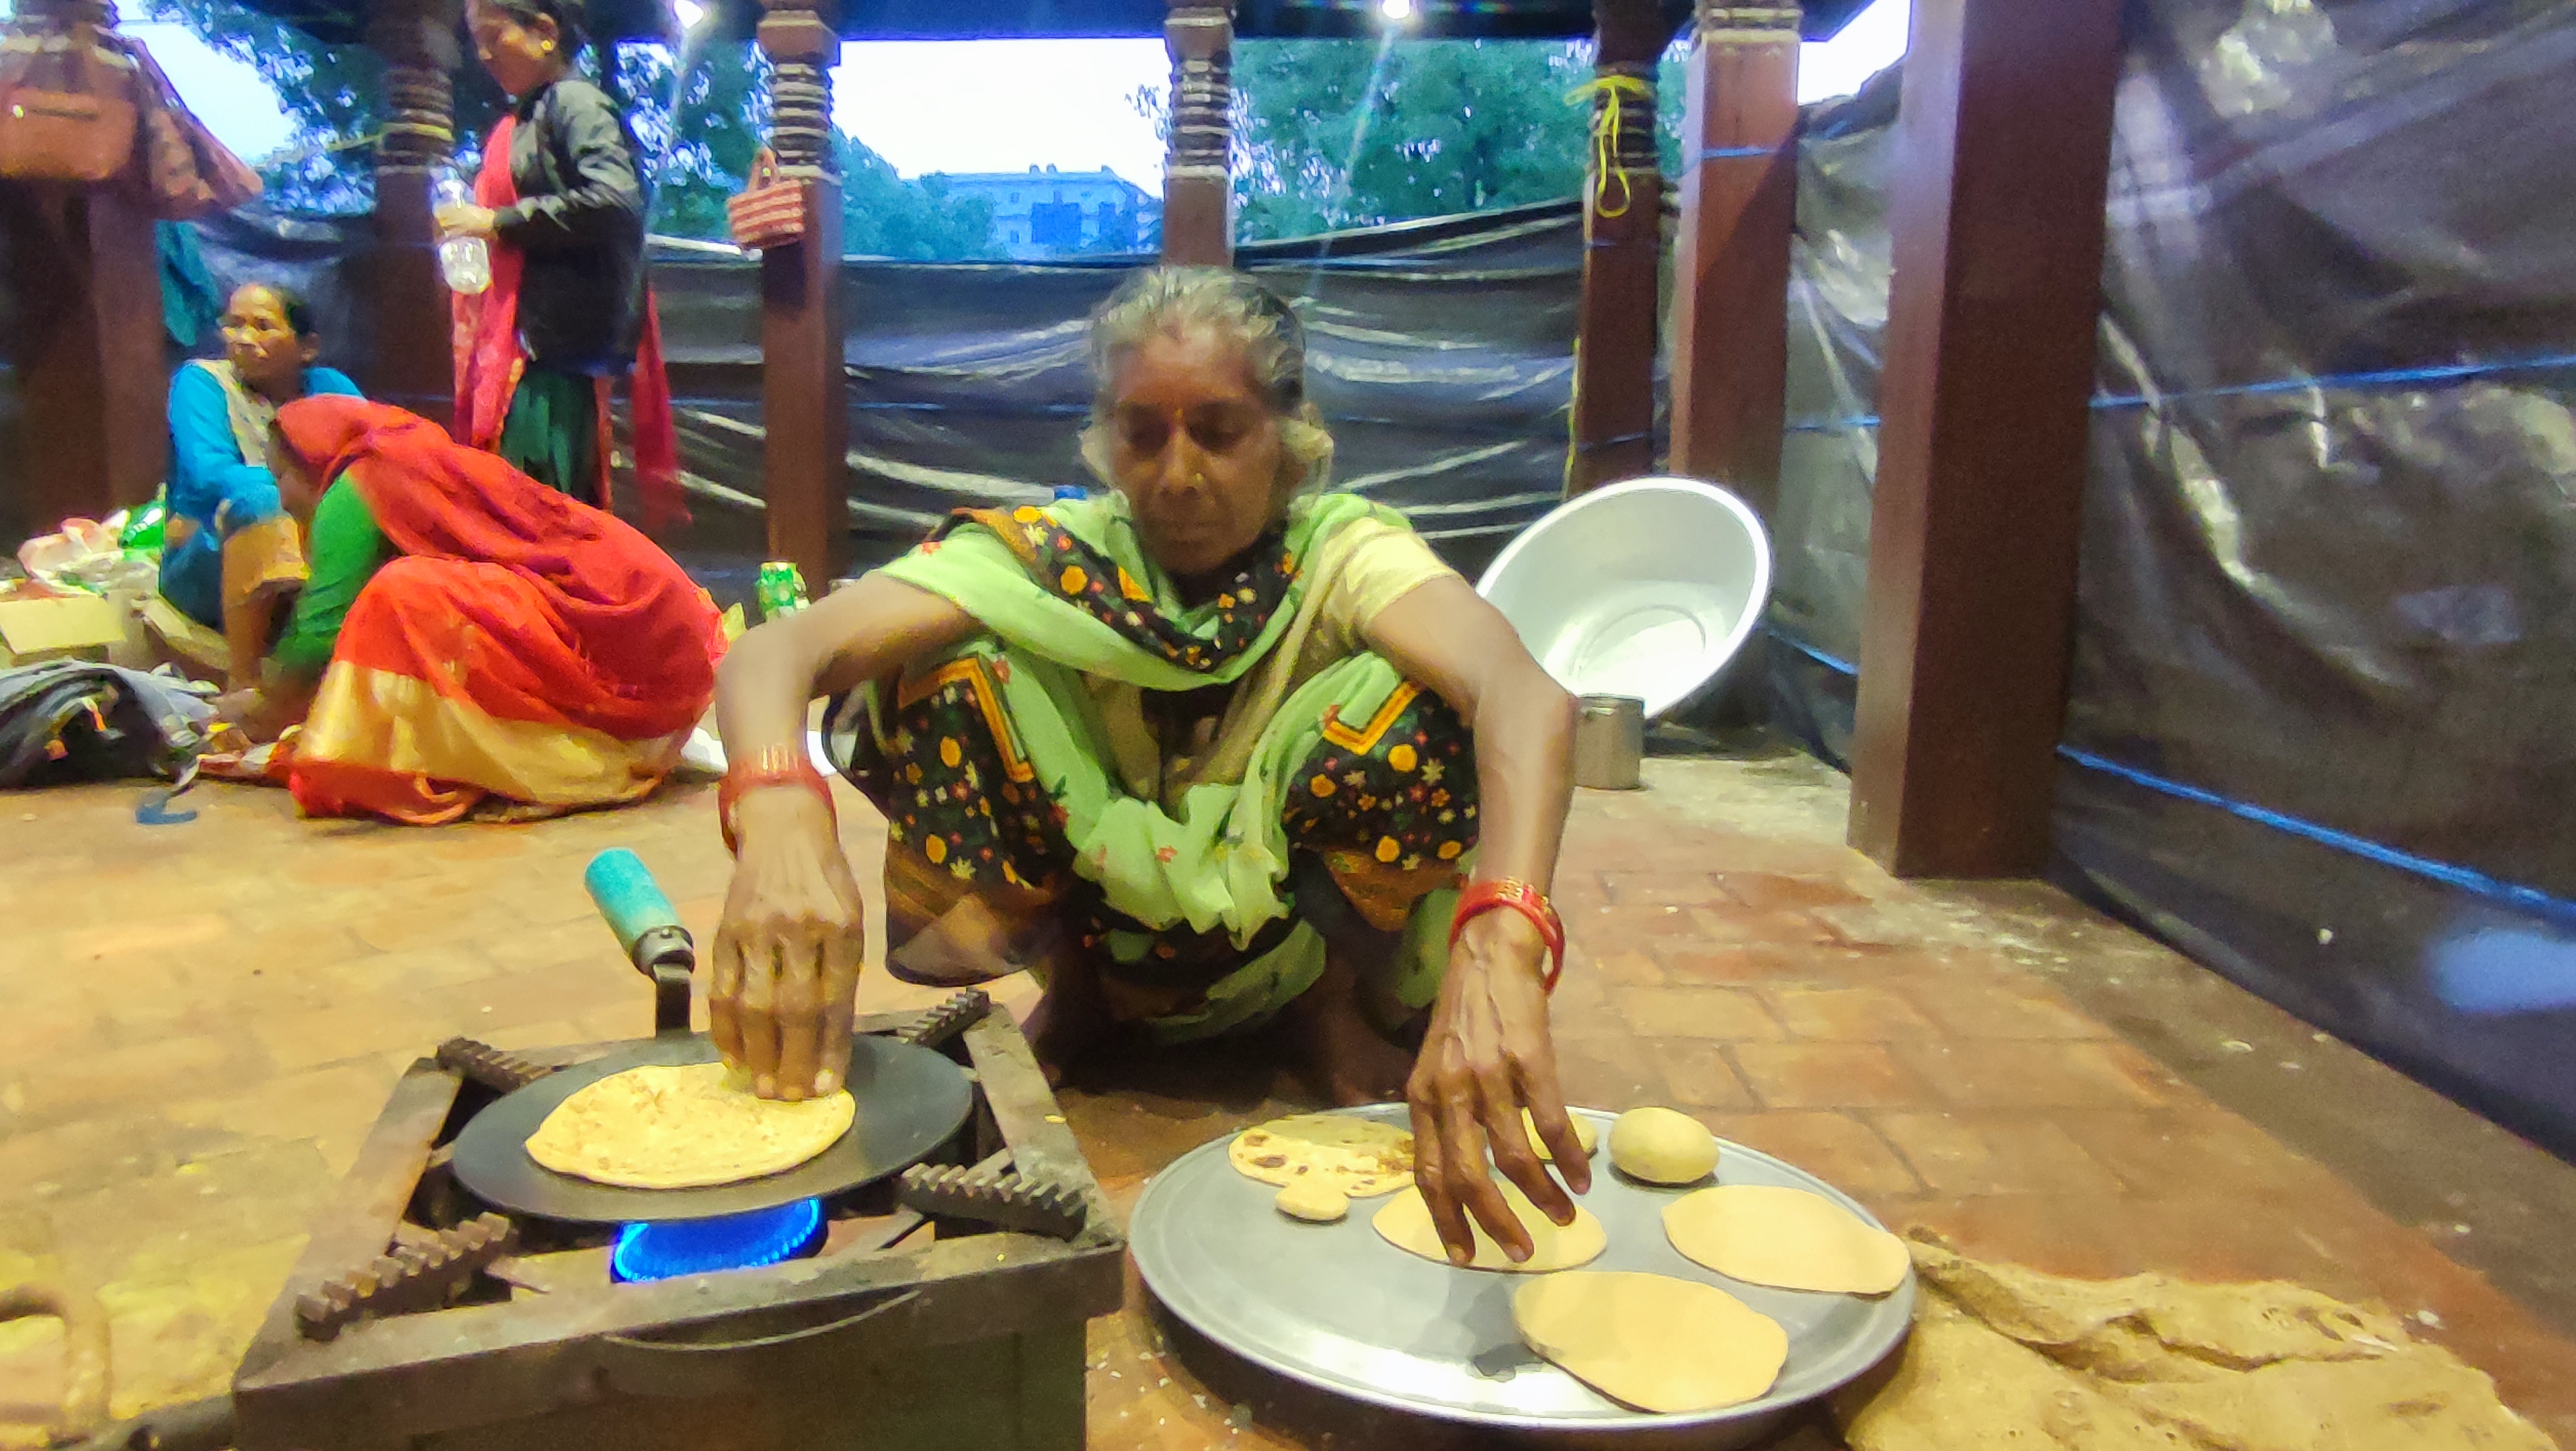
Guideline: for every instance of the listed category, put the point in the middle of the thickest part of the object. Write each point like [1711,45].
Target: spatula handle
[627,896]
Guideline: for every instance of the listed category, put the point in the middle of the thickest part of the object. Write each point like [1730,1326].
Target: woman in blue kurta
[232,551]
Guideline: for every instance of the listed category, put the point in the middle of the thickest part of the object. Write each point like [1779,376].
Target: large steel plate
[910,1101]
[1336,1306]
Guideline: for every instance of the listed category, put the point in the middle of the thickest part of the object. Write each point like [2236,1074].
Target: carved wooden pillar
[804,391]
[2003,149]
[414,364]
[1614,347]
[1731,261]
[92,376]
[1198,187]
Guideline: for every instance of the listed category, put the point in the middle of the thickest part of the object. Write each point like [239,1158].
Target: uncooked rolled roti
[1771,1235]
[1651,1341]
[681,1126]
[1406,1224]
[1584,1135]
[1362,1157]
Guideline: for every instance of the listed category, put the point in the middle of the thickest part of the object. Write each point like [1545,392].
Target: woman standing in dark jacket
[561,204]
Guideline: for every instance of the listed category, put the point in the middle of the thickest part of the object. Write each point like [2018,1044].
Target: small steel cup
[1609,742]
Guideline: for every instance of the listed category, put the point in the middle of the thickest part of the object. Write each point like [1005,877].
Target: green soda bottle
[145,528]
[780,589]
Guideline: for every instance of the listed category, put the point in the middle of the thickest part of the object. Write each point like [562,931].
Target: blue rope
[2386,378]
[1838,666]
[1735,153]
[2475,883]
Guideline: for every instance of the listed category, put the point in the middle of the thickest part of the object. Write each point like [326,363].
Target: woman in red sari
[470,641]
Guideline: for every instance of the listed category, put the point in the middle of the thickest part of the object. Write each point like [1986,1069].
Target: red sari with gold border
[525,647]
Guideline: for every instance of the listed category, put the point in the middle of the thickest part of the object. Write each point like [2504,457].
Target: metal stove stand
[945,1309]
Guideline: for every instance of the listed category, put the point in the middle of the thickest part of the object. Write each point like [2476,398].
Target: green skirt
[552,431]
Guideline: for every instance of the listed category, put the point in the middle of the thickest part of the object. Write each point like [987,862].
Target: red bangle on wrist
[777,766]
[1513,894]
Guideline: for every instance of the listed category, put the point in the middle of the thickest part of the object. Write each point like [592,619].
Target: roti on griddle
[1362,1157]
[683,1127]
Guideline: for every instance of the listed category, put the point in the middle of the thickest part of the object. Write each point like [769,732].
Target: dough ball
[1662,1146]
[1584,1134]
[1406,1224]
[1362,1157]
[1773,1235]
[1651,1341]
[1316,1203]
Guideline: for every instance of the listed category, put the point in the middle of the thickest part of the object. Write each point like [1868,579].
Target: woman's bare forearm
[1446,637]
[872,628]
[1524,730]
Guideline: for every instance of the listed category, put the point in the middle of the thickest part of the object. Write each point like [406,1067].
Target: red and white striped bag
[768,213]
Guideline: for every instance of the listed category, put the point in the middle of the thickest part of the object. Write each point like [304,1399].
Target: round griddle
[910,1101]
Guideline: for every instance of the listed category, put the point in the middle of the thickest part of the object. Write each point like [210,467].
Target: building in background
[1042,212]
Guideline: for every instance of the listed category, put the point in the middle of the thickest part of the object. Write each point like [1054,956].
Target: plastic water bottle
[464,261]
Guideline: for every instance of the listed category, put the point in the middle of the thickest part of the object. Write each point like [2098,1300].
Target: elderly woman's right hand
[785,971]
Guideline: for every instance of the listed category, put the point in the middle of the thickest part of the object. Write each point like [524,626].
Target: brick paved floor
[202,1020]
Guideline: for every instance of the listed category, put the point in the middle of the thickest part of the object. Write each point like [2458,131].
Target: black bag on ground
[72,721]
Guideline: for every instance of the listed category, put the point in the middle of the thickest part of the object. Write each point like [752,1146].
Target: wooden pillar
[1198,188]
[93,379]
[2003,152]
[414,366]
[93,376]
[1731,261]
[1614,341]
[804,390]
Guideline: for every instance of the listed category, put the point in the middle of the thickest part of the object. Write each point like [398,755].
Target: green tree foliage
[1331,134]
[882,215]
[698,117]
[332,95]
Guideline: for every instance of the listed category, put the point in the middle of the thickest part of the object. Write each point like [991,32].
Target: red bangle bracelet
[1510,892]
[778,766]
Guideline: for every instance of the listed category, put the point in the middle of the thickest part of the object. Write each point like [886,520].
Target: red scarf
[540,608]
[489,362]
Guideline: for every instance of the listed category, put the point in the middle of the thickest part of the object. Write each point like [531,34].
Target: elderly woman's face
[260,340]
[1194,449]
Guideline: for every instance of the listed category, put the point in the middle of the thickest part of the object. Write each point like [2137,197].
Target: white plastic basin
[1645,588]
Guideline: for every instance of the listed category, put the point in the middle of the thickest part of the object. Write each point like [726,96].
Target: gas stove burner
[727,1242]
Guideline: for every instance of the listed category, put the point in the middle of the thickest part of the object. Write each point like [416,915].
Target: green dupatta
[1220,860]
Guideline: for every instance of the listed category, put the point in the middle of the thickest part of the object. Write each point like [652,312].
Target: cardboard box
[76,627]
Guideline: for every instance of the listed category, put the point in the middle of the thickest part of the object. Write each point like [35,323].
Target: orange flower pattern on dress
[944,782]
[1380,802]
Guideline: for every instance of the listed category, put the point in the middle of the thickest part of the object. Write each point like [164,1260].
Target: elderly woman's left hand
[1487,1057]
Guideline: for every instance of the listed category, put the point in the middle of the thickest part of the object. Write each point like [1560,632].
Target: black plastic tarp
[2322,725]
[1440,352]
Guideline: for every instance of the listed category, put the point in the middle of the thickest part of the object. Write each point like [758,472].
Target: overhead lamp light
[1396,11]
[690,13]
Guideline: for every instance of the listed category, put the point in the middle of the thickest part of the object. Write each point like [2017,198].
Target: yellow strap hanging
[1610,89]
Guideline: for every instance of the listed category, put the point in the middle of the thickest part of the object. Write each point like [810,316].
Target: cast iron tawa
[910,1101]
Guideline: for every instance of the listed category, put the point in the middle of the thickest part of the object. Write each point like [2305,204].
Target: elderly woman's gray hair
[1234,307]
